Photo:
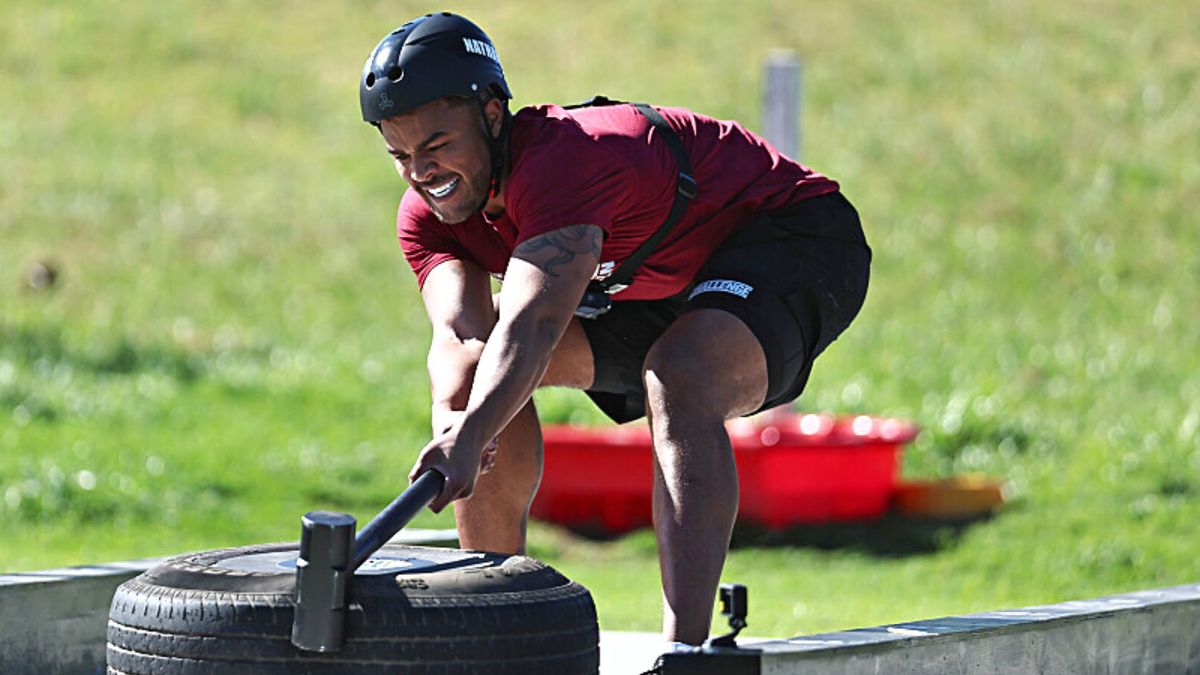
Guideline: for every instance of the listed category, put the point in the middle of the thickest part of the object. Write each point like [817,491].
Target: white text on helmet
[481,48]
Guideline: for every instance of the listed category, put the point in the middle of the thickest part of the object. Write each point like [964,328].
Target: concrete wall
[54,621]
[1154,632]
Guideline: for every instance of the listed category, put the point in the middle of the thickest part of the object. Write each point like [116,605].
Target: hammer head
[323,574]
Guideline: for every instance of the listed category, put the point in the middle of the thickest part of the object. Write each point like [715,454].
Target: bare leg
[693,384]
[495,516]
[695,503]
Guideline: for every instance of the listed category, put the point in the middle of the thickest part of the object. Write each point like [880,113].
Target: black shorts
[796,277]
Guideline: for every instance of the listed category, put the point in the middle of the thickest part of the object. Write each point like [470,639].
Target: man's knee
[676,388]
[707,364]
[673,369]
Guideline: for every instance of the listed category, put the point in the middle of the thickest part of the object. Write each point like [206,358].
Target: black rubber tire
[456,613]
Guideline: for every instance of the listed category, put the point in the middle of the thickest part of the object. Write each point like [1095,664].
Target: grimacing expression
[441,150]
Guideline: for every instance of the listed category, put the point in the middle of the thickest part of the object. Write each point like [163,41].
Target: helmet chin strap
[497,151]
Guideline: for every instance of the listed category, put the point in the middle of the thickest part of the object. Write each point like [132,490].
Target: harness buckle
[686,185]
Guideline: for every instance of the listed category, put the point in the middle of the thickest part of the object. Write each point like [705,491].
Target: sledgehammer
[328,560]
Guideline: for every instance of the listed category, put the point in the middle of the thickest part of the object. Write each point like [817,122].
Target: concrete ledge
[1153,632]
[55,621]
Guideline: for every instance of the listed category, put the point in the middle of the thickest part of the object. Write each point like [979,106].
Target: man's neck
[493,208]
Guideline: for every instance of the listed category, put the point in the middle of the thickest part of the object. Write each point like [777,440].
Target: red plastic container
[792,469]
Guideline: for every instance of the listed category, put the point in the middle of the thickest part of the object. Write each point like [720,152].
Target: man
[762,267]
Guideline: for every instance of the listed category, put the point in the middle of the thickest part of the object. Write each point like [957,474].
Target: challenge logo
[730,286]
[481,48]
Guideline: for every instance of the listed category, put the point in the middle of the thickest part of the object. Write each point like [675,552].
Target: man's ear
[493,112]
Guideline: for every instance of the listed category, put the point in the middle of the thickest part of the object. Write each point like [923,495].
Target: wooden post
[782,91]
[782,87]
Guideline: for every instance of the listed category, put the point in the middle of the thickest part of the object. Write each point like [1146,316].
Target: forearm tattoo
[560,247]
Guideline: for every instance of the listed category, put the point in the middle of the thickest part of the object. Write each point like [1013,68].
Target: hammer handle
[397,514]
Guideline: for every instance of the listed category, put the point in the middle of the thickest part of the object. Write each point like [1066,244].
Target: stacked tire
[413,610]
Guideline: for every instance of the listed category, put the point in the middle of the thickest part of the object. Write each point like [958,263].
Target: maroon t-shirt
[603,166]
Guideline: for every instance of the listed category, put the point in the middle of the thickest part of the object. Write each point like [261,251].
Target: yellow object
[955,497]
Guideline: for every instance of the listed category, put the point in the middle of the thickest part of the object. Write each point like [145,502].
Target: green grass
[234,338]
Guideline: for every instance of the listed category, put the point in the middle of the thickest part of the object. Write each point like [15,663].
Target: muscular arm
[458,300]
[542,286]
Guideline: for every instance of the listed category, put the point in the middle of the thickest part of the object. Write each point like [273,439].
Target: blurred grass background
[233,337]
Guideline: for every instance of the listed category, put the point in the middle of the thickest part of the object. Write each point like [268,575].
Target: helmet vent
[370,80]
[395,73]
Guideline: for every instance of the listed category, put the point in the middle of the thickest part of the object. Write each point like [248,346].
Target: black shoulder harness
[595,300]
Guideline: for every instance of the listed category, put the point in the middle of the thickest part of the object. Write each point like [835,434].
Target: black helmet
[430,57]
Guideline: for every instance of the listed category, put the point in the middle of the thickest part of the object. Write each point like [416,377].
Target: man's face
[440,149]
